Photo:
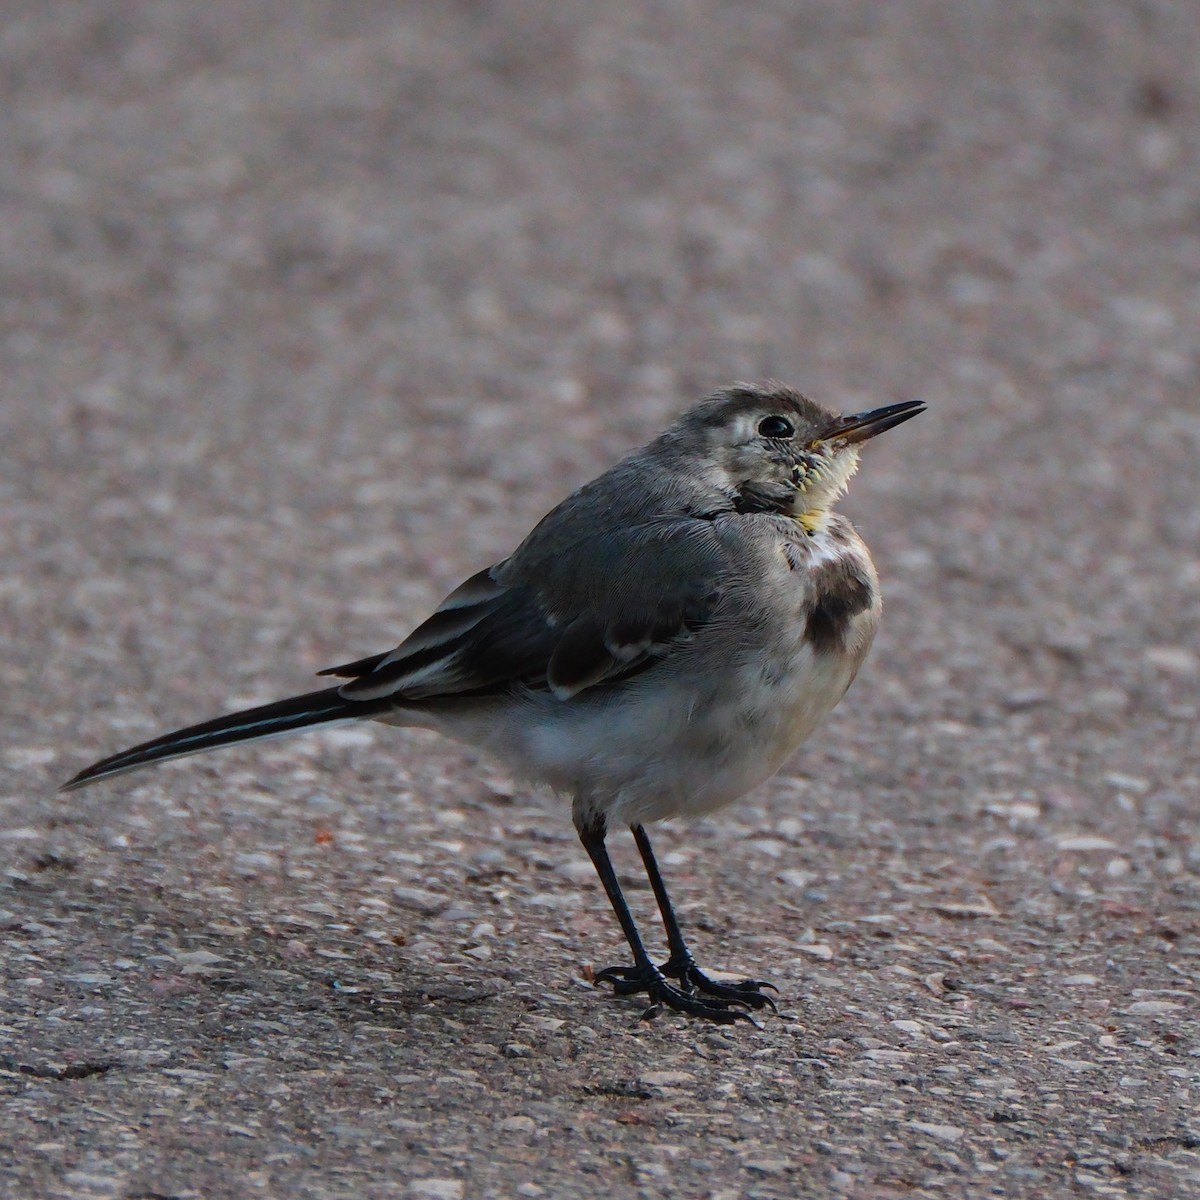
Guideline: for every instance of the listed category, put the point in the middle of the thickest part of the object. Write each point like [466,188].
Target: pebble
[767,1166]
[553,900]
[24,834]
[576,870]
[253,863]
[1023,810]
[816,950]
[943,1133]
[427,903]
[796,879]
[460,912]
[935,981]
[518,1124]
[97,1185]
[1127,783]
[667,1078]
[437,1189]
[888,1056]
[1084,841]
[966,912]
[1176,660]
[769,847]
[30,756]
[1153,1008]
[195,962]
[1108,699]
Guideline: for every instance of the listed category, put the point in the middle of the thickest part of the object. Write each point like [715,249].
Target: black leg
[675,942]
[644,976]
[592,838]
[681,965]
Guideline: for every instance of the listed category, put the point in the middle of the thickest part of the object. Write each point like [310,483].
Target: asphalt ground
[308,310]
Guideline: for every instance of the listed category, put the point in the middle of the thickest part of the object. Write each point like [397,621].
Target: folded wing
[644,593]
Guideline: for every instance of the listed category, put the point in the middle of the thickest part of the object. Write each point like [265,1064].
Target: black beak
[858,427]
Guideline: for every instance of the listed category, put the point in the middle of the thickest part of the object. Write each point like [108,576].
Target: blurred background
[309,309]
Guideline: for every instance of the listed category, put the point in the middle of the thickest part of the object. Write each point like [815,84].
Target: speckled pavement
[310,309]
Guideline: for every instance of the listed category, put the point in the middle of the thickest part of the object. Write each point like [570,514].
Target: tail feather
[268,720]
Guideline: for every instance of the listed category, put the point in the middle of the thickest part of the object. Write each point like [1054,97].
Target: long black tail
[268,720]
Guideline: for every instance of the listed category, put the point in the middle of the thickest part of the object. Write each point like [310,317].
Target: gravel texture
[310,309]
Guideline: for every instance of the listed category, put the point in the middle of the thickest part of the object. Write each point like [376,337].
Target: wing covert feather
[536,620]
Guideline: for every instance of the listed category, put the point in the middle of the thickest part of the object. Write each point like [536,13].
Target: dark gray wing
[562,617]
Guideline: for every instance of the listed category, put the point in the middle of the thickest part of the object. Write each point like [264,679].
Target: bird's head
[770,449]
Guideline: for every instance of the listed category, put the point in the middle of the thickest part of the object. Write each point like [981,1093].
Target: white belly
[662,746]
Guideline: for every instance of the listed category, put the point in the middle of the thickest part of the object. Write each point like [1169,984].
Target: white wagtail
[657,646]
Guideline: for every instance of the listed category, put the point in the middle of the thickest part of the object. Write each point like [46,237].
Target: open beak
[858,427]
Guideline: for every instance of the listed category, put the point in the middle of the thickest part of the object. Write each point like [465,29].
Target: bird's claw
[698,996]
[745,991]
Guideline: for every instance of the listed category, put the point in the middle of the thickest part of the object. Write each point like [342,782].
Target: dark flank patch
[840,595]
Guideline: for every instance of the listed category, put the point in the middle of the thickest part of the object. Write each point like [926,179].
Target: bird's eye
[776,427]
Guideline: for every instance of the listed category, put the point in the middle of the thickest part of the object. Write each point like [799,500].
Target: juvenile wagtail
[658,645]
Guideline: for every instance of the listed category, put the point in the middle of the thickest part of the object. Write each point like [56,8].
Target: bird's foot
[725,1007]
[745,991]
